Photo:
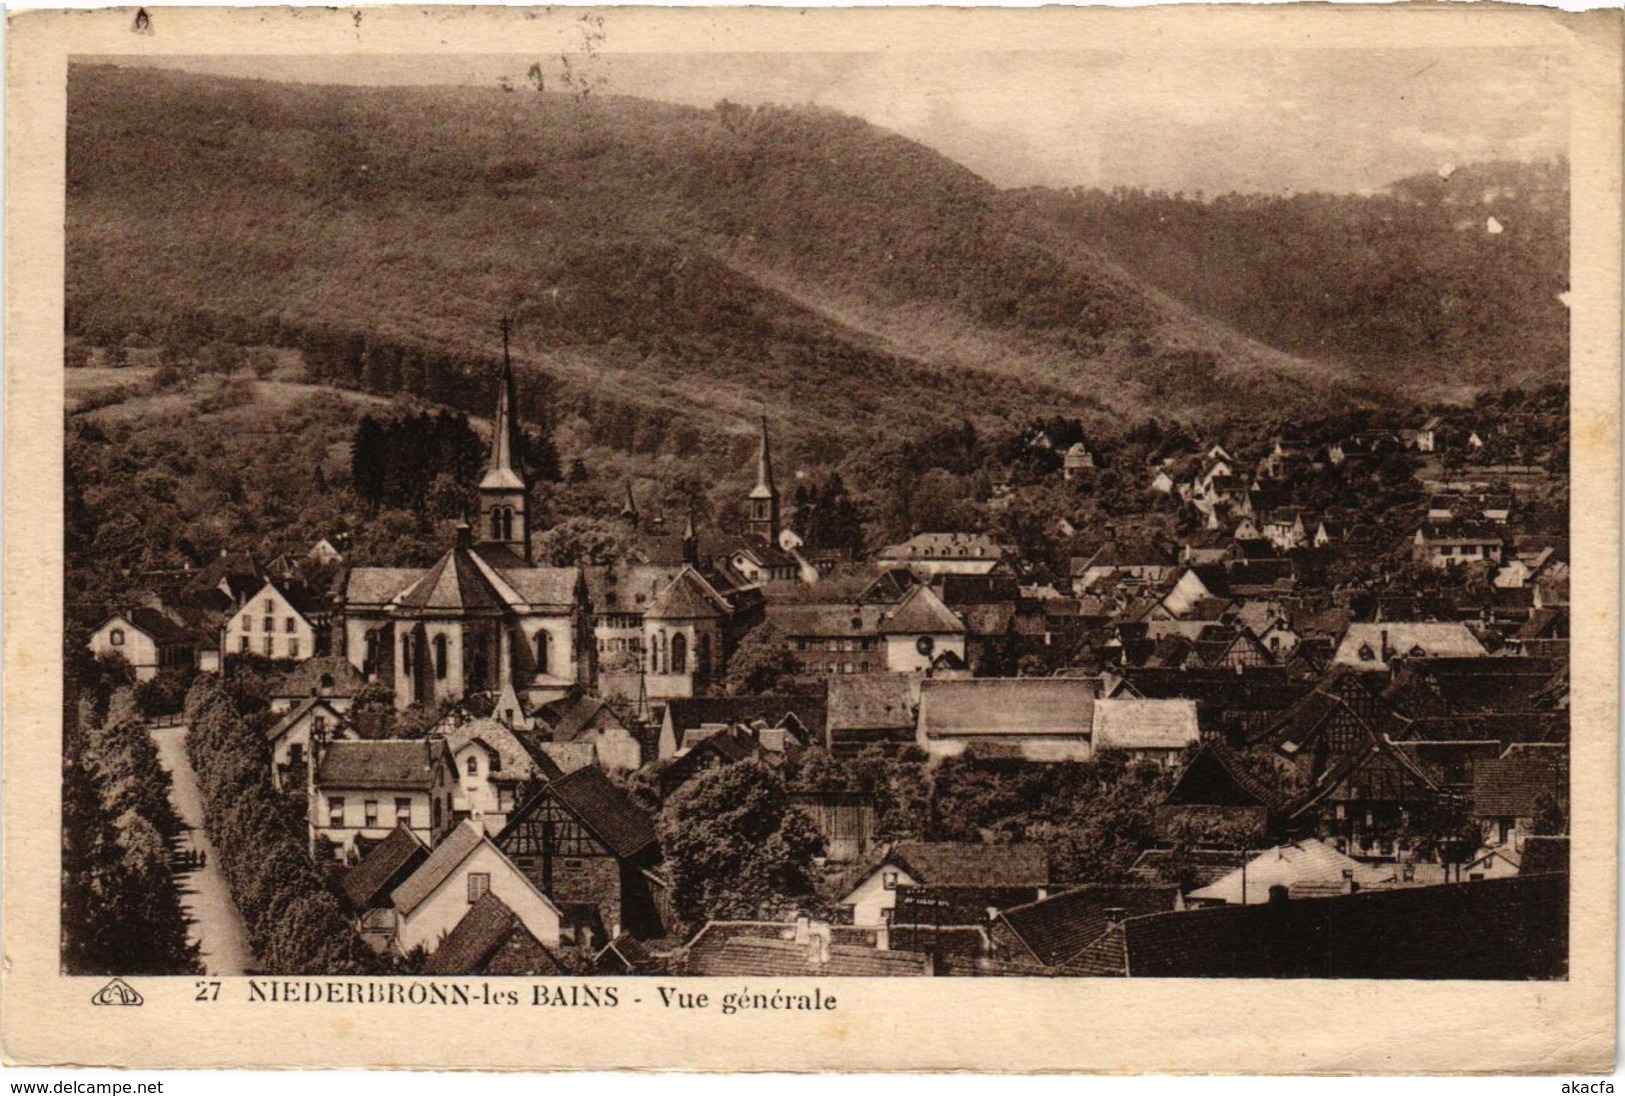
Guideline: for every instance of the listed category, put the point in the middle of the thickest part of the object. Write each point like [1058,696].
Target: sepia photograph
[581,518]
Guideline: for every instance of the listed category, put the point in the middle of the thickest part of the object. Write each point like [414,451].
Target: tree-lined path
[213,919]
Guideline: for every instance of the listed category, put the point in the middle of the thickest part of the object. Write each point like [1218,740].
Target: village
[1237,751]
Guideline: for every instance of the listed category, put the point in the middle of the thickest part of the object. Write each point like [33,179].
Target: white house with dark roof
[362,790]
[1026,718]
[958,865]
[492,765]
[145,638]
[290,738]
[919,630]
[483,615]
[461,870]
[329,677]
[270,625]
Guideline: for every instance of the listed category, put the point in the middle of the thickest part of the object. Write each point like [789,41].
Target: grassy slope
[691,261]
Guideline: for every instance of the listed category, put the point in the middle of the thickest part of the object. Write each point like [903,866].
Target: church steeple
[691,540]
[629,507]
[763,505]
[504,493]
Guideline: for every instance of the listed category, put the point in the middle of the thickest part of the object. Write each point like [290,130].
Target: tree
[760,662]
[735,844]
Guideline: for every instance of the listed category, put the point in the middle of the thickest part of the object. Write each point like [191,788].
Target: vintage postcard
[762,539]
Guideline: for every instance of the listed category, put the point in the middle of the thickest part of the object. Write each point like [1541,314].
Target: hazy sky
[1216,120]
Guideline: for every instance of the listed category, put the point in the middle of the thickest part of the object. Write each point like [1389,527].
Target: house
[685,722]
[460,871]
[369,885]
[330,677]
[833,638]
[492,940]
[313,719]
[715,750]
[1371,647]
[1366,802]
[584,844]
[1052,931]
[1511,793]
[1458,543]
[870,710]
[590,719]
[147,639]
[1141,565]
[1076,461]
[325,552]
[270,624]
[663,629]
[1021,718]
[493,765]
[920,629]
[1300,863]
[1158,731]
[1014,874]
[931,554]
[363,790]
[802,948]
[1217,788]
[1511,929]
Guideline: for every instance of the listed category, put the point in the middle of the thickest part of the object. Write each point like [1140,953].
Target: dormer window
[1366,653]
[116,637]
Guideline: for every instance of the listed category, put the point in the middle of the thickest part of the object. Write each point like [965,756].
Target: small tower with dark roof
[629,508]
[763,505]
[504,493]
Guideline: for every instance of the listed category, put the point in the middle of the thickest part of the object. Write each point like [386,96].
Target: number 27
[207,991]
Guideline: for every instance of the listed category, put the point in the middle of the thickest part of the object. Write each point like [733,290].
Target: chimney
[1278,895]
[803,928]
[1349,885]
[465,535]
[1386,651]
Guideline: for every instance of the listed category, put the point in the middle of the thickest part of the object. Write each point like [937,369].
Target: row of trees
[121,910]
[295,923]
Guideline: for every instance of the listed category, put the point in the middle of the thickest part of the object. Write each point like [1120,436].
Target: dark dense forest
[1454,277]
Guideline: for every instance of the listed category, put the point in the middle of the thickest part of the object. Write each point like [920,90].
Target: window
[270,624]
[496,763]
[270,607]
[296,753]
[541,652]
[116,637]
[335,810]
[268,641]
[479,882]
[318,725]
[287,625]
[574,865]
[242,644]
[440,656]
[679,654]
[888,879]
[370,812]
[293,648]
[473,765]
[504,800]
[403,810]
[326,681]
[248,623]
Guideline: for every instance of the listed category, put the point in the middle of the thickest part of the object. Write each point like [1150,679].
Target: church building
[483,616]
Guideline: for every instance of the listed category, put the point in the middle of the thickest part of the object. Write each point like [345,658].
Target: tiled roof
[1218,764]
[366,885]
[1310,861]
[921,610]
[1542,855]
[567,717]
[157,625]
[1511,787]
[1136,724]
[720,952]
[453,849]
[1056,928]
[516,760]
[870,701]
[377,585]
[937,546]
[964,864]
[605,810]
[687,597]
[1204,866]
[387,763]
[305,679]
[688,713]
[486,926]
[1007,706]
[1513,928]
[827,620]
[1403,638]
[454,584]
[296,713]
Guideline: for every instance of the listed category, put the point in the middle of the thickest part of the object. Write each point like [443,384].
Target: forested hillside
[670,267]
[1450,280]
